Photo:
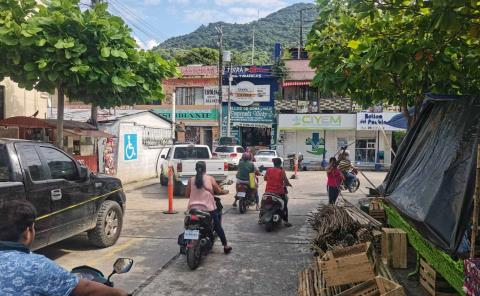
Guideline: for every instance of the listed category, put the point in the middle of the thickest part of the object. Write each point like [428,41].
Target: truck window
[4,164]
[224,149]
[191,153]
[60,165]
[31,162]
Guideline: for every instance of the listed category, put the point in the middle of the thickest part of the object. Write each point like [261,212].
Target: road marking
[111,253]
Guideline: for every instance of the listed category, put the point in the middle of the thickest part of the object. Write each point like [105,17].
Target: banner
[376,121]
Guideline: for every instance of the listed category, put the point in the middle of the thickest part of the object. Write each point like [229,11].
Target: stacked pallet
[433,283]
[377,211]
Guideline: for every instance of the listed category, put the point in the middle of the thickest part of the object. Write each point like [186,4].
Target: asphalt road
[261,263]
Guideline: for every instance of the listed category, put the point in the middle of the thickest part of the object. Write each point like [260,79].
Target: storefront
[252,115]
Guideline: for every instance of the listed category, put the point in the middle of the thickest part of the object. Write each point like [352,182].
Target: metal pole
[173,113]
[229,110]
[476,201]
[220,78]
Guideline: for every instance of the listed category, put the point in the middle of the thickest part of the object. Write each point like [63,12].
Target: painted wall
[299,70]
[21,102]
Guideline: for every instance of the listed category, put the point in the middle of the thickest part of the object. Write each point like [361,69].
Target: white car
[230,154]
[264,158]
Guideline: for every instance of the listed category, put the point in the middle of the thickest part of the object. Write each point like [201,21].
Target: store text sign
[376,121]
[316,121]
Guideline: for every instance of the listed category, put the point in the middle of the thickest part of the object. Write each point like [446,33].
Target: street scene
[239,147]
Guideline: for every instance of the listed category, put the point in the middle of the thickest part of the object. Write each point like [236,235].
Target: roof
[122,116]
[71,124]
[23,121]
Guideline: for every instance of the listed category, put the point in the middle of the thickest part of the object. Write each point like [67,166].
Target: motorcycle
[122,265]
[271,210]
[355,184]
[198,238]
[245,196]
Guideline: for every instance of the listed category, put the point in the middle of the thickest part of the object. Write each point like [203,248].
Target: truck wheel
[163,180]
[109,225]
[179,189]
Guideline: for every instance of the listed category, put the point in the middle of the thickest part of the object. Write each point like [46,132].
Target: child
[334,180]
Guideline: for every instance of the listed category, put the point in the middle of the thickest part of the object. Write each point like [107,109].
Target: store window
[189,95]
[365,150]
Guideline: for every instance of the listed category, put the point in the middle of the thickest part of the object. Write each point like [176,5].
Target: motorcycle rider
[245,168]
[346,167]
[25,273]
[277,182]
[201,190]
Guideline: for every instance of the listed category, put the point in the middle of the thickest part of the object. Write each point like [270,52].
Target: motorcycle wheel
[355,186]
[269,226]
[194,255]
[242,206]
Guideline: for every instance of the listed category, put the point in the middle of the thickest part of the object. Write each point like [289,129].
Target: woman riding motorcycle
[245,168]
[201,190]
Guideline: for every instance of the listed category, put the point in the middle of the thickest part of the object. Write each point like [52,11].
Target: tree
[395,51]
[86,55]
[201,56]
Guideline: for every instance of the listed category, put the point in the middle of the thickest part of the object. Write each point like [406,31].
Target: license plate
[191,234]
[241,194]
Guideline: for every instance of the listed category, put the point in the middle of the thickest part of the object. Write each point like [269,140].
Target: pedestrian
[334,180]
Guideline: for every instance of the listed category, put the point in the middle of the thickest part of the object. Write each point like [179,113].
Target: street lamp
[227,57]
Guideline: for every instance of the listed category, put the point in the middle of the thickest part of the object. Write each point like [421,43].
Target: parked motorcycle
[271,210]
[245,196]
[122,265]
[355,184]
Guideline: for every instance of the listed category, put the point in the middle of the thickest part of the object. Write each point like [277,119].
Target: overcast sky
[153,21]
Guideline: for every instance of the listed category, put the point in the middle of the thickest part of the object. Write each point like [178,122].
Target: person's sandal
[287,224]
[227,249]
[234,204]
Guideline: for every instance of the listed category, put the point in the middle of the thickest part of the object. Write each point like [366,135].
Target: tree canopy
[396,51]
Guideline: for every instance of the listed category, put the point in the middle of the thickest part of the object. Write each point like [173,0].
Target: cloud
[152,2]
[202,15]
[148,45]
[157,2]
[246,14]
[257,3]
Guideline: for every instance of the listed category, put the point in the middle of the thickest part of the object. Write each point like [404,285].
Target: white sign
[317,121]
[376,121]
[246,93]
[210,95]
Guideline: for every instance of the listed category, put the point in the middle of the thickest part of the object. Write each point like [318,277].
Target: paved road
[261,263]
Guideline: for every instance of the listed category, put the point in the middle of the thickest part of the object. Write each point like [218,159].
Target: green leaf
[353,44]
[52,76]
[59,44]
[42,64]
[105,52]
[41,42]
[30,67]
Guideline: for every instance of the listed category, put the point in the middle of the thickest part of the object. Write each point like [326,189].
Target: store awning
[296,83]
[26,122]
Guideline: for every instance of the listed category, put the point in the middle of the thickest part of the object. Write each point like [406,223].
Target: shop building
[252,115]
[196,103]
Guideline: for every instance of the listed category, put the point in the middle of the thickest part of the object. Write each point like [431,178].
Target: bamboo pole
[476,201]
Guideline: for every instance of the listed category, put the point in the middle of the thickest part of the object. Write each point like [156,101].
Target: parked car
[232,154]
[264,159]
[183,157]
[69,199]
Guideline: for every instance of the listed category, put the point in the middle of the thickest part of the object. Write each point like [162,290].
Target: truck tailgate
[215,168]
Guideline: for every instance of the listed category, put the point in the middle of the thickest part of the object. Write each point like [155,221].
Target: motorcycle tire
[194,255]
[242,206]
[355,186]
[269,226]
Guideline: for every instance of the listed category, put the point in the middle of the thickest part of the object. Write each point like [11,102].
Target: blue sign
[130,147]
[250,72]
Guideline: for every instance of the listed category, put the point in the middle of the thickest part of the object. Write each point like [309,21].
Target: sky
[153,21]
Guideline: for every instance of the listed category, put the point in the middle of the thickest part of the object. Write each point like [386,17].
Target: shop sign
[210,95]
[246,93]
[376,121]
[253,115]
[130,147]
[317,121]
[250,71]
[199,71]
[208,114]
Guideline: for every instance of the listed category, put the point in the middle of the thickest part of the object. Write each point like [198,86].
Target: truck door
[70,196]
[37,191]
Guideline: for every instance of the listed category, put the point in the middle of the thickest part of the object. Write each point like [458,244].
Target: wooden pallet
[376,211]
[394,247]
[378,286]
[433,283]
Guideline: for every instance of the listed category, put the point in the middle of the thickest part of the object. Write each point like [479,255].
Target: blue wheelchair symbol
[130,151]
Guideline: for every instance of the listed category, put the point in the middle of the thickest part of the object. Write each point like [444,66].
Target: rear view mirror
[163,156]
[122,265]
[83,172]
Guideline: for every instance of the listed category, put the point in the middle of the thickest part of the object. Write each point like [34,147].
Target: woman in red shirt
[334,180]
[277,182]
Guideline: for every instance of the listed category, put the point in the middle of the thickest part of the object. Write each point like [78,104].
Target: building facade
[16,101]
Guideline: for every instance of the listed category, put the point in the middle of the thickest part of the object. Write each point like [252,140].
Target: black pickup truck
[69,199]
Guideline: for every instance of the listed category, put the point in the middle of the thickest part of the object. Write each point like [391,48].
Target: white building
[16,101]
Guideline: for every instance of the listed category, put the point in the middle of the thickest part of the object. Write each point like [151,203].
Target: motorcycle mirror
[122,265]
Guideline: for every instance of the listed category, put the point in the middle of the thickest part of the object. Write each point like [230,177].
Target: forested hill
[282,26]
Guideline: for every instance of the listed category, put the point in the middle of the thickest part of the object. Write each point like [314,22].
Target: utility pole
[253,37]
[174,113]
[94,111]
[300,44]
[228,58]
[220,76]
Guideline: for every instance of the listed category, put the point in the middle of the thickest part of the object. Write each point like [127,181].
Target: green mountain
[282,26]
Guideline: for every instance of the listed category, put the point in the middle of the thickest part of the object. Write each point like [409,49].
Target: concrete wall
[299,70]
[148,158]
[21,102]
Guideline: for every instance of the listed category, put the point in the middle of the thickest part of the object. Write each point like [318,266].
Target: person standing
[334,180]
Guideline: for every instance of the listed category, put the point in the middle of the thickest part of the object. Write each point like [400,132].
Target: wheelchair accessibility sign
[130,151]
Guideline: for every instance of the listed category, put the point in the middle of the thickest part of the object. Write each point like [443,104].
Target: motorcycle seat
[199,213]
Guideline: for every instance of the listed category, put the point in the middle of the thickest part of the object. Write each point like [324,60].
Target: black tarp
[432,179]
